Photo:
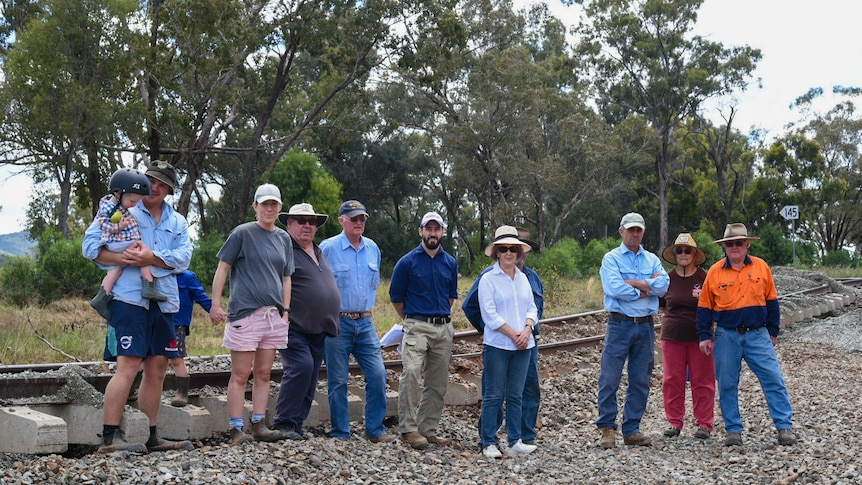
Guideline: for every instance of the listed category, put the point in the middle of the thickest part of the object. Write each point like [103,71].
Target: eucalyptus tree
[644,60]
[66,96]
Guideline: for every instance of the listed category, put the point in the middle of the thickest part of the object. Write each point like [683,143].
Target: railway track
[559,334]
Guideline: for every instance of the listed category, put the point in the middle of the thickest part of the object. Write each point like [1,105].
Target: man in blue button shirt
[424,286]
[355,262]
[633,279]
[141,330]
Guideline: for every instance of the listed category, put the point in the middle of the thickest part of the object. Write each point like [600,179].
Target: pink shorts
[264,329]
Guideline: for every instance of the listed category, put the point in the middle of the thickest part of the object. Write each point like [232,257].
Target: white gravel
[821,363]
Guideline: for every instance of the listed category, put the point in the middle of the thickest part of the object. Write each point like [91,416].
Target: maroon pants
[683,360]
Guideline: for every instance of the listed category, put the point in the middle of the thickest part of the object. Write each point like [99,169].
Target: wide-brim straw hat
[303,209]
[735,231]
[684,239]
[508,236]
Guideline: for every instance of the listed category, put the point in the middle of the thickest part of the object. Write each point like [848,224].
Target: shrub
[205,257]
[18,280]
[561,258]
[63,271]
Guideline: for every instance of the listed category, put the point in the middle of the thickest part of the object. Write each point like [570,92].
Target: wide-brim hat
[303,209]
[684,239]
[163,172]
[524,236]
[735,231]
[506,235]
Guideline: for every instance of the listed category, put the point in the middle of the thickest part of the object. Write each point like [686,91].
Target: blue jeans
[529,400]
[625,339]
[756,348]
[301,363]
[503,374]
[358,337]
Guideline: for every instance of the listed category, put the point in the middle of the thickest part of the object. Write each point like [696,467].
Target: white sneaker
[520,448]
[491,451]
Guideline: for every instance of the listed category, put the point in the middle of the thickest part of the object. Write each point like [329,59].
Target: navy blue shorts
[138,332]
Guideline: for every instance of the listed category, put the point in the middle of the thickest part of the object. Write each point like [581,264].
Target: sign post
[791,212]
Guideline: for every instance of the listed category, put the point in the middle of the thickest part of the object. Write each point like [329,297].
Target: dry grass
[70,329]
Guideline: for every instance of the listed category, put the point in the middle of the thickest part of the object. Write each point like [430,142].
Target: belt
[747,329]
[434,319]
[621,316]
[355,315]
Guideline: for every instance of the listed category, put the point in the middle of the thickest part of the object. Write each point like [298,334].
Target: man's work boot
[261,433]
[118,443]
[237,437]
[149,291]
[609,439]
[102,303]
[415,440]
[637,439]
[182,396]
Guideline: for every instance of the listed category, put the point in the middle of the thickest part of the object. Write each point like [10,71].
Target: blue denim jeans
[301,363]
[625,340]
[529,400]
[755,347]
[358,337]
[503,374]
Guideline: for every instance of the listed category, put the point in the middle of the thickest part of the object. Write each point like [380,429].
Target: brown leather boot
[609,439]
[182,396]
[261,433]
[237,437]
[415,440]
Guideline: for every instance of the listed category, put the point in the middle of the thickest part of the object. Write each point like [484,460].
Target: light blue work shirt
[169,241]
[357,271]
[621,264]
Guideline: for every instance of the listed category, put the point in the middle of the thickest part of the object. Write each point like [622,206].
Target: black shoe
[102,303]
[671,432]
[786,437]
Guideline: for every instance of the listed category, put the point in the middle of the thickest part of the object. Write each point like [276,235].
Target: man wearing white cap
[633,280]
[740,297]
[424,285]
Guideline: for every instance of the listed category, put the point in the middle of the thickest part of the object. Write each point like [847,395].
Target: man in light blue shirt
[633,279]
[141,330]
[355,262]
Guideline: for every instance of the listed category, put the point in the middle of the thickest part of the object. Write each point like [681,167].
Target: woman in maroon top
[679,341]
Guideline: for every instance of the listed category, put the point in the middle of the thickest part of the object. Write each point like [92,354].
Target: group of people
[311,303]
[713,320]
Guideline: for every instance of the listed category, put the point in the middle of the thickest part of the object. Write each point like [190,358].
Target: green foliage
[591,261]
[18,280]
[63,271]
[837,258]
[773,247]
[561,259]
[205,257]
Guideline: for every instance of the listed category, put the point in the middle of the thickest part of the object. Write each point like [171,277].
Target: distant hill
[15,244]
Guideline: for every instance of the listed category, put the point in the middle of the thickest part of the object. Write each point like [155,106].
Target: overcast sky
[804,45]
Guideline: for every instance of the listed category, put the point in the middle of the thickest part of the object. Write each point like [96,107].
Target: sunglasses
[359,218]
[683,250]
[508,249]
[311,221]
[730,244]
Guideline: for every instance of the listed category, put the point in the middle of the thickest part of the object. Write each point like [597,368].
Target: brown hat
[735,231]
[164,172]
[524,236]
[684,239]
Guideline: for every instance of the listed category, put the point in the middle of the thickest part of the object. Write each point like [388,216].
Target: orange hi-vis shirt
[732,299]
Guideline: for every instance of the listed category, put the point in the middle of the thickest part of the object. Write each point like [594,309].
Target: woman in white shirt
[509,312]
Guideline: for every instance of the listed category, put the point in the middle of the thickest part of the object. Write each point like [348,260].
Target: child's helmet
[130,180]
